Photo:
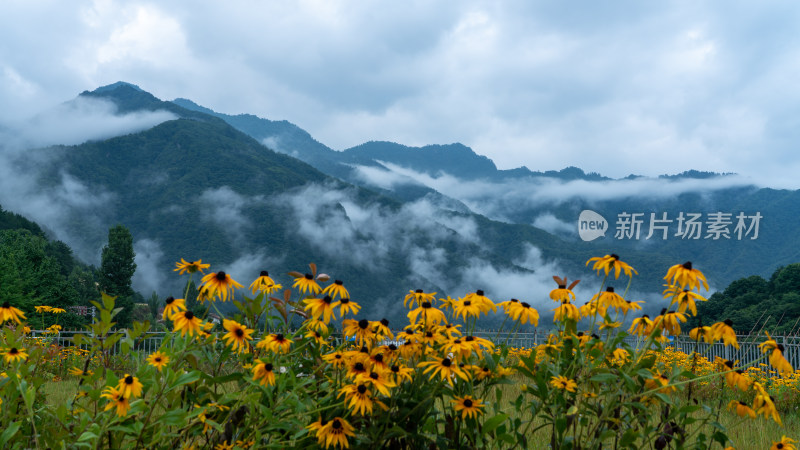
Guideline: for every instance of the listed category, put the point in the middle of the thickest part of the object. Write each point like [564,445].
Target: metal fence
[747,352]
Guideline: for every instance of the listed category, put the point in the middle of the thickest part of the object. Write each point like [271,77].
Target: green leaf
[9,432]
[493,423]
[603,377]
[185,378]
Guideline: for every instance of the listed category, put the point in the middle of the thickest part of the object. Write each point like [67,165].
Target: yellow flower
[468,406]
[237,336]
[564,383]
[482,301]
[523,313]
[186,322]
[321,307]
[158,360]
[686,277]
[741,409]
[359,398]
[43,308]
[684,297]
[360,329]
[263,373]
[784,444]
[220,284]
[445,368]
[347,306]
[15,354]
[335,433]
[8,312]
[641,325]
[566,311]
[58,310]
[264,284]
[724,331]
[190,267]
[609,262]
[130,386]
[276,343]
[418,297]
[173,306]
[79,372]
[430,314]
[466,308]
[306,284]
[336,289]
[116,400]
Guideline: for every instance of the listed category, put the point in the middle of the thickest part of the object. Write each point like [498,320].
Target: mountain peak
[113,86]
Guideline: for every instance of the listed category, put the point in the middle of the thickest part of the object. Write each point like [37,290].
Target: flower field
[300,368]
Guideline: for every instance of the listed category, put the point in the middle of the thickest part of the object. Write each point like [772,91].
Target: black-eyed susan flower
[238,335]
[321,308]
[361,329]
[42,308]
[116,400]
[611,262]
[458,348]
[567,311]
[381,329]
[378,379]
[784,444]
[669,322]
[468,406]
[507,304]
[173,305]
[417,298]
[401,373]
[687,277]
[307,284]
[58,310]
[465,308]
[190,267]
[317,325]
[641,326]
[724,331]
[335,359]
[130,386]
[316,427]
[220,284]
[335,433]
[187,323]
[742,409]
[264,283]
[355,368]
[563,383]
[764,404]
[79,372]
[9,313]
[562,293]
[276,343]
[484,303]
[15,354]
[315,336]
[609,299]
[263,372]
[358,398]
[701,333]
[158,360]
[478,344]
[430,315]
[347,306]
[659,382]
[779,362]
[377,360]
[447,303]
[523,313]
[735,377]
[445,368]
[336,289]
[685,298]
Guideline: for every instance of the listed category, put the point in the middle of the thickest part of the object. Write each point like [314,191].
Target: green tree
[117,267]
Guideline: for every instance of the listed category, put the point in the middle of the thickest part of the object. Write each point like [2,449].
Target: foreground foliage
[254,380]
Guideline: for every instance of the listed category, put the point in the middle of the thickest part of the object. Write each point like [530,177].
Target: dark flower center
[513,300]
[446,362]
[467,302]
[525,305]
[158,359]
[663,311]
[419,291]
[364,349]
[426,304]
[392,347]
[268,367]
[457,341]
[221,276]
[429,334]
[374,375]
[363,324]
[169,300]
[344,301]
[338,282]
[238,332]
[13,351]
[264,273]
[309,276]
[728,322]
[327,299]
[687,265]
[337,356]
[468,403]
[470,338]
[610,289]
[279,337]
[362,389]
[336,424]
[188,315]
[614,257]
[780,347]
[6,305]
[479,292]
[358,367]
[378,357]
[562,286]
[645,316]
[129,380]
[384,322]
[395,368]
[729,364]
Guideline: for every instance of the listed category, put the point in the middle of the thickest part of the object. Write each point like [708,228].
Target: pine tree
[116,270]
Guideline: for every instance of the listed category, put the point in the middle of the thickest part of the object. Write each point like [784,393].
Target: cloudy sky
[636,87]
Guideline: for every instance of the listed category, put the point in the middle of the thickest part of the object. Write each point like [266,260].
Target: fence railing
[747,353]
